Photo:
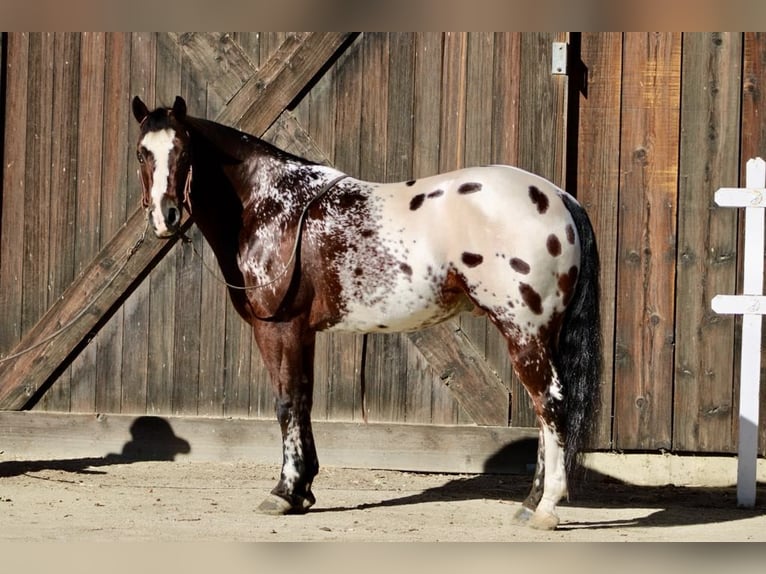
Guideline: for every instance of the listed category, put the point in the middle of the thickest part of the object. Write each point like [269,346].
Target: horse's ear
[140,111]
[179,108]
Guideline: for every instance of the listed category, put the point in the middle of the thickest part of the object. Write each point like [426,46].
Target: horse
[305,248]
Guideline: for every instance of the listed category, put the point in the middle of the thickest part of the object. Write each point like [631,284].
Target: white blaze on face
[159,144]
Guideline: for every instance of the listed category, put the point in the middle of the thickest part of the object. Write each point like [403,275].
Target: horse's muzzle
[165,221]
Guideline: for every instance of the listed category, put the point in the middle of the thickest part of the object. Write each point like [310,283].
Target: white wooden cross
[751,305]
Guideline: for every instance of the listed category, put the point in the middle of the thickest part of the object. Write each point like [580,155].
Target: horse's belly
[399,310]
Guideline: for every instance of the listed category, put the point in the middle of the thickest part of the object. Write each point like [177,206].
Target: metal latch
[559,58]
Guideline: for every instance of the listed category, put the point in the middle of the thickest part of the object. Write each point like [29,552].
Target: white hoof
[543,521]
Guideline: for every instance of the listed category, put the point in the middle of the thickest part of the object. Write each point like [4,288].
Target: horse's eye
[140,156]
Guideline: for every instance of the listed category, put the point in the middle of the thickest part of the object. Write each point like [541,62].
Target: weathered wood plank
[318,107]
[598,178]
[647,240]
[280,79]
[542,132]
[475,386]
[343,358]
[62,213]
[542,112]
[14,184]
[38,165]
[110,340]
[504,150]
[423,448]
[89,185]
[163,280]
[753,145]
[217,58]
[428,399]
[374,69]
[452,134]
[707,241]
[135,351]
[506,101]
[478,151]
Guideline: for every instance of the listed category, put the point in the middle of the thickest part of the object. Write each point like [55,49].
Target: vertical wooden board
[61,227]
[319,110]
[113,210]
[11,257]
[188,296]
[753,145]
[542,130]
[378,55]
[451,143]
[428,398]
[342,351]
[250,42]
[542,111]
[89,182]
[135,352]
[160,358]
[504,150]
[212,338]
[452,133]
[598,176]
[478,139]
[37,189]
[163,286]
[647,241]
[386,374]
[238,353]
[707,240]
[186,352]
[506,98]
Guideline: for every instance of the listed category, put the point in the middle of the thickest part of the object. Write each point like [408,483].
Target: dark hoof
[277,506]
[523,515]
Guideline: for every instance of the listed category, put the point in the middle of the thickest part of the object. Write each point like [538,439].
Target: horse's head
[164,158]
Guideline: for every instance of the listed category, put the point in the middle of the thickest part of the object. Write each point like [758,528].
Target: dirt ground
[109,500]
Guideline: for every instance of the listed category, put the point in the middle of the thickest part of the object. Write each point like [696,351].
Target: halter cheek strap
[187,189]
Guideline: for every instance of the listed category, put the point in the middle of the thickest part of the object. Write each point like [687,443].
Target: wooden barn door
[162,338]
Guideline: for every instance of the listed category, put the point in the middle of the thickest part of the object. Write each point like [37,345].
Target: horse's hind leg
[288,352]
[530,503]
[534,366]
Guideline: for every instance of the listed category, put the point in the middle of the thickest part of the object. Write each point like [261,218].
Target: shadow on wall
[152,438]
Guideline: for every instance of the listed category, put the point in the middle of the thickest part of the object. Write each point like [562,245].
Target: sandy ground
[109,500]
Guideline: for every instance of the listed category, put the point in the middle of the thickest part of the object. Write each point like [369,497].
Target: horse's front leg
[288,352]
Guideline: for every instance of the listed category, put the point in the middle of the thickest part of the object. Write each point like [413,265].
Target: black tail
[579,348]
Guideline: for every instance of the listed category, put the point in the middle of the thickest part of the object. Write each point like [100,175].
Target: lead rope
[84,310]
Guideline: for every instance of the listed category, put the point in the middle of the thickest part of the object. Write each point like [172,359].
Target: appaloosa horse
[305,248]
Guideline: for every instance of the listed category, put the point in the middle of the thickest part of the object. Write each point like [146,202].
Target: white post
[752,306]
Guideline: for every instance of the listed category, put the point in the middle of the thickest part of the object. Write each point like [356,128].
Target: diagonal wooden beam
[476,387]
[255,107]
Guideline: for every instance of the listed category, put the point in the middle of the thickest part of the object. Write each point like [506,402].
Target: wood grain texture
[598,178]
[461,368]
[542,131]
[647,240]
[14,184]
[707,242]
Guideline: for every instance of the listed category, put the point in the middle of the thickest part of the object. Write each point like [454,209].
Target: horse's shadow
[152,438]
[675,505]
